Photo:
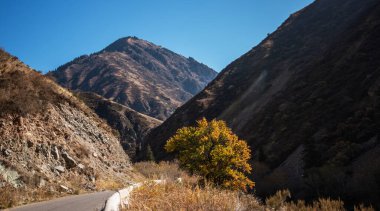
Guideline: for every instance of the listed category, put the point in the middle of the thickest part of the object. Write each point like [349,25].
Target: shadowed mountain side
[306,99]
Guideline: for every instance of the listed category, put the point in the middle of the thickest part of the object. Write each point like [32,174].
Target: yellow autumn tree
[213,151]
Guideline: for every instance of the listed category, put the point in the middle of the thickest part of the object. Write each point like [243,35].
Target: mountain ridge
[145,77]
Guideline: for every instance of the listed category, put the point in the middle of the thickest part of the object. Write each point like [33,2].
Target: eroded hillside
[131,125]
[49,140]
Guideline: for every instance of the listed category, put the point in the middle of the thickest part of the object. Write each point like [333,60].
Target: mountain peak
[139,74]
[123,44]
[131,39]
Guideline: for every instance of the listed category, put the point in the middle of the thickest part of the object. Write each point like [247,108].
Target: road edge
[121,197]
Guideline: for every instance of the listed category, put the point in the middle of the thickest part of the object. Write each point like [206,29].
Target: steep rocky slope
[49,140]
[131,125]
[306,99]
[147,78]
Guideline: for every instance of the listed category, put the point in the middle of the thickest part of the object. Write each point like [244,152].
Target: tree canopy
[213,151]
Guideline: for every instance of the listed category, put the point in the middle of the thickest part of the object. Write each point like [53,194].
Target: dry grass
[177,196]
[81,151]
[363,208]
[188,195]
[10,196]
[184,196]
[77,184]
[30,190]
[108,184]
[279,201]
[163,170]
[24,93]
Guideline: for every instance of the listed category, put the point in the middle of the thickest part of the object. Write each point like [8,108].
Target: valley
[292,124]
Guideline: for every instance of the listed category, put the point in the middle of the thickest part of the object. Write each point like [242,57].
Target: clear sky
[47,33]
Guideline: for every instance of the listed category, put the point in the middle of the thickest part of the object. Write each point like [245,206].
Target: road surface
[90,202]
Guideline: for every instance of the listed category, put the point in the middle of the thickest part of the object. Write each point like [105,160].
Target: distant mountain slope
[131,125]
[51,141]
[145,77]
[307,101]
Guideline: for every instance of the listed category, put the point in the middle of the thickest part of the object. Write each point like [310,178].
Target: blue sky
[47,33]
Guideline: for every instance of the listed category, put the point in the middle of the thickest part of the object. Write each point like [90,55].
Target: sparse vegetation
[188,195]
[81,150]
[23,92]
[281,201]
[163,170]
[185,194]
[213,152]
[108,184]
[18,84]
[11,196]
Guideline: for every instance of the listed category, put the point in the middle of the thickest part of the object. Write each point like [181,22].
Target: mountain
[131,125]
[136,73]
[306,99]
[51,142]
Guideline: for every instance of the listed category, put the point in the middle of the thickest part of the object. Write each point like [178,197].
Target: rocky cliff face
[131,125]
[133,72]
[306,99]
[49,140]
